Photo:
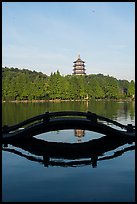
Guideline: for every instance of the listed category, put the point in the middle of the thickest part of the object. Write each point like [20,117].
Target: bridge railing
[48,115]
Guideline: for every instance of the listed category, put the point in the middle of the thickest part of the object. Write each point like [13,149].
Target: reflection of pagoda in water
[79,133]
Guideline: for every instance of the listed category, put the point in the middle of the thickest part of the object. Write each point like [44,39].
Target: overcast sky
[48,36]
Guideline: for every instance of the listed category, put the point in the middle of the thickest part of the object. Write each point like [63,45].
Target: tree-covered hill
[23,84]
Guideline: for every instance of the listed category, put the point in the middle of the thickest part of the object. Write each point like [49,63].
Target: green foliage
[131,89]
[24,84]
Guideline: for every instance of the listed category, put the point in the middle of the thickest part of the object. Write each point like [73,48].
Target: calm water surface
[27,175]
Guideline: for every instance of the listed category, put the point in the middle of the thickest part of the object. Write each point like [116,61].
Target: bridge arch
[51,121]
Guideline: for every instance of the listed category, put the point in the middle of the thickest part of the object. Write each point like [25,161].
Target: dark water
[106,174]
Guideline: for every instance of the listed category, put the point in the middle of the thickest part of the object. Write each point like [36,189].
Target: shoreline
[67,100]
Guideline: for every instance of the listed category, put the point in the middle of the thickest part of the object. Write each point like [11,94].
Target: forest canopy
[23,84]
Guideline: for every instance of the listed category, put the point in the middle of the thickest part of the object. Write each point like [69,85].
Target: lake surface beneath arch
[28,176]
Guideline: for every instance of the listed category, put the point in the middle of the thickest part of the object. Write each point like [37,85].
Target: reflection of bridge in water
[76,154]
[22,136]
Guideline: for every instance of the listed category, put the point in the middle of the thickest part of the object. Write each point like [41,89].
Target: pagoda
[79,67]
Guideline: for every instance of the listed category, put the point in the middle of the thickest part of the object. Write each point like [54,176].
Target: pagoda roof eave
[79,61]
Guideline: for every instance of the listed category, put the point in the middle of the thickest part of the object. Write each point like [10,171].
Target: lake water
[29,175]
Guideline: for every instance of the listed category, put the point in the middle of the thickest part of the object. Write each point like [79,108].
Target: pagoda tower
[79,67]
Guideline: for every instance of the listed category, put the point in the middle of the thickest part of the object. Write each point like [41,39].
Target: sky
[49,36]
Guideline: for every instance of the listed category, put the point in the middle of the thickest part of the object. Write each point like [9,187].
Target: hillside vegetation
[24,84]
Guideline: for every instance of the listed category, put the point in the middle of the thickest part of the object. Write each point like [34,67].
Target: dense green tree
[23,84]
[131,89]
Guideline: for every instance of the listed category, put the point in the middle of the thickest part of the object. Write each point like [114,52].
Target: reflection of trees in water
[77,154]
[127,110]
[132,110]
[13,113]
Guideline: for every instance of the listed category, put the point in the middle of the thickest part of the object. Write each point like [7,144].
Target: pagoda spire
[78,56]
